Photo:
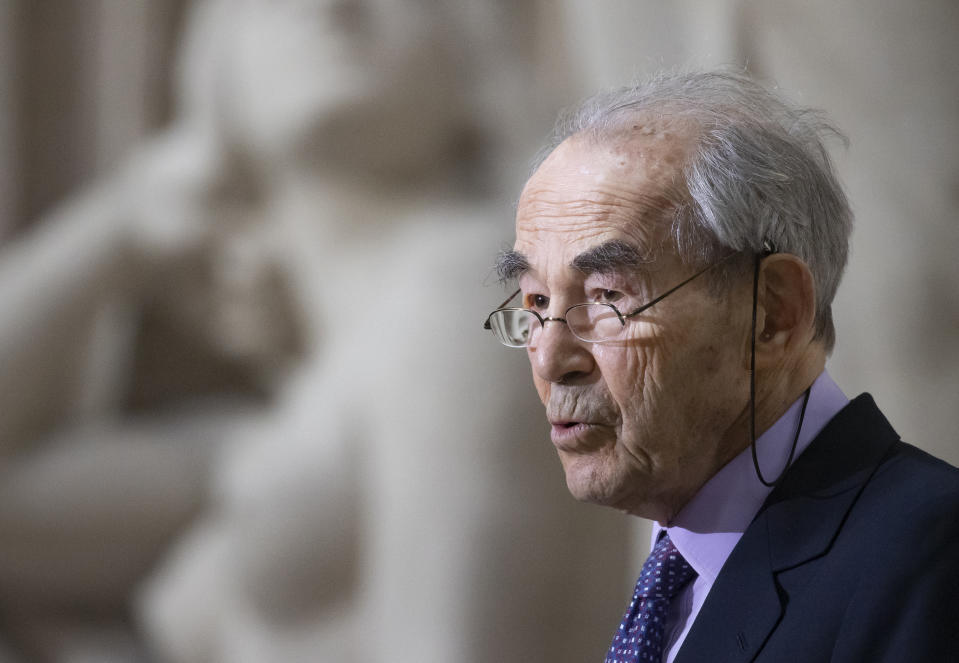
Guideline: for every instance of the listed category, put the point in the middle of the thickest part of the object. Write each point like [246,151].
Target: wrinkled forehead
[624,186]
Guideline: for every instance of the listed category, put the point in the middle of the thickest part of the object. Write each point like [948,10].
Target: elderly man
[677,252]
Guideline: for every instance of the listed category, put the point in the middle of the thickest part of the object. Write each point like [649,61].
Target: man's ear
[786,305]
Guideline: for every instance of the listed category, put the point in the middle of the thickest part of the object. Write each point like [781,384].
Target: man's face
[640,422]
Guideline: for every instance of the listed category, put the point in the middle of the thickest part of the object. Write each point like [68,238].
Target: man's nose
[558,356]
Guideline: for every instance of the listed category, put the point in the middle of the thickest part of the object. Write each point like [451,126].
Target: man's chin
[588,480]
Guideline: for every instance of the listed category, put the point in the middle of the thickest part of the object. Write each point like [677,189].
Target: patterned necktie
[641,636]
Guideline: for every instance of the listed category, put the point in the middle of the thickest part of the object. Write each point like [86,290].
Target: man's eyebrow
[609,257]
[510,265]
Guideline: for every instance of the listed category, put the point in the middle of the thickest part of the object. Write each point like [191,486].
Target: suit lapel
[741,609]
[798,522]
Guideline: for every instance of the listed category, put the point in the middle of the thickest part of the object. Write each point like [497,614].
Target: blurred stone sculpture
[143,317]
[399,501]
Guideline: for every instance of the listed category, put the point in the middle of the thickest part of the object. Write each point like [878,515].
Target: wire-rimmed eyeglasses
[593,322]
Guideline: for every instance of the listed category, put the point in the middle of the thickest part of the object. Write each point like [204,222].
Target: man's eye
[610,296]
[537,302]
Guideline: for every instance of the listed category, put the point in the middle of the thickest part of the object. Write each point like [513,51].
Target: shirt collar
[708,528]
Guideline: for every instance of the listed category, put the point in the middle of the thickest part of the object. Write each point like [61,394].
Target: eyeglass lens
[513,327]
[590,322]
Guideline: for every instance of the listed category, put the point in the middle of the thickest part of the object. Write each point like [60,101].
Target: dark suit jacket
[853,558]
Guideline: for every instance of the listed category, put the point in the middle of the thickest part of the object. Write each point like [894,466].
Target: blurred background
[247,409]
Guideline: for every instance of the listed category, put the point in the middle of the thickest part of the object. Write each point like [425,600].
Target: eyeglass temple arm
[677,287]
[486,324]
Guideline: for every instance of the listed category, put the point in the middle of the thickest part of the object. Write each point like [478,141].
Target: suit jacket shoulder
[854,557]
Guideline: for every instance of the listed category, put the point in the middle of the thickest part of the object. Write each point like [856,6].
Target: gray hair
[759,174]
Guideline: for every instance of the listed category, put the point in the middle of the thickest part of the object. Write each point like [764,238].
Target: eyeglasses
[593,322]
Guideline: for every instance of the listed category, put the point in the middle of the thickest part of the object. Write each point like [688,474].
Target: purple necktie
[641,636]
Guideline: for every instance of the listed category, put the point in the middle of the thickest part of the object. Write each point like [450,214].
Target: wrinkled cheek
[709,361]
[631,377]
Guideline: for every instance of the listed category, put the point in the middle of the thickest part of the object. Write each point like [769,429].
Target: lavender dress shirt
[711,524]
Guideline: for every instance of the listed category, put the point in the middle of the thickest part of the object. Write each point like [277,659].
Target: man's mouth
[570,435]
